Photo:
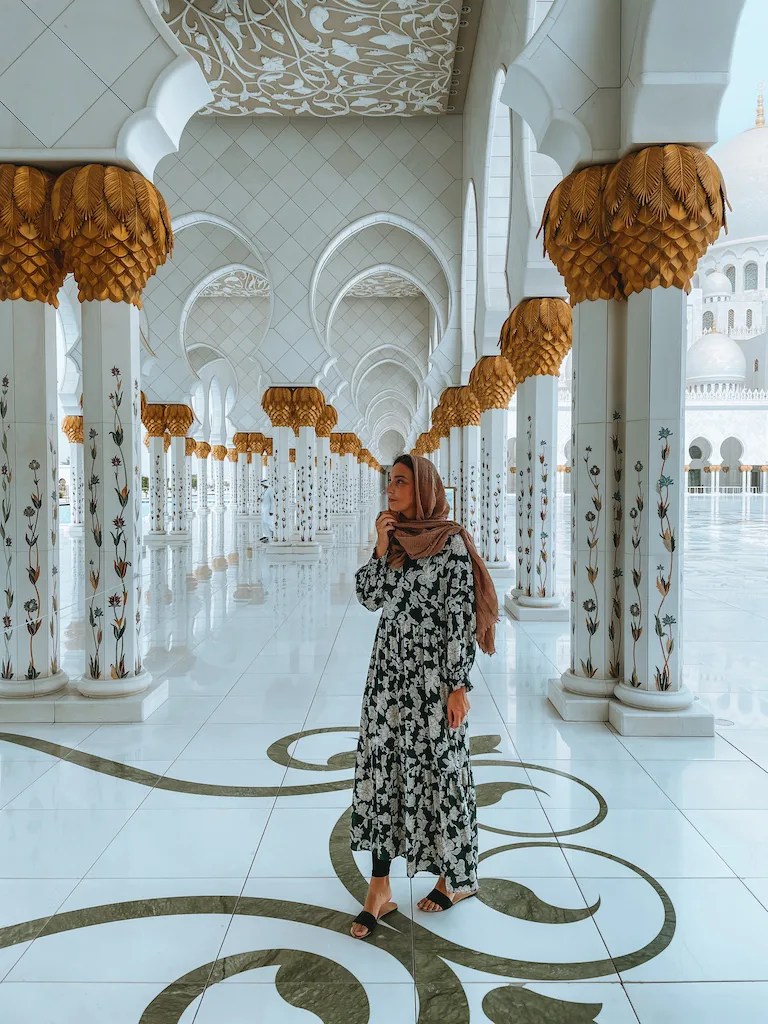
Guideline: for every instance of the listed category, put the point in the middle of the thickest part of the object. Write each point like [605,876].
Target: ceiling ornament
[237,284]
[384,285]
[401,57]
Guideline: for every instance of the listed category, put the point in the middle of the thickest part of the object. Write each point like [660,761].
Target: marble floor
[196,867]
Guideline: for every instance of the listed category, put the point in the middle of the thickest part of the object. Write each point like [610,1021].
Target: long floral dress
[414,795]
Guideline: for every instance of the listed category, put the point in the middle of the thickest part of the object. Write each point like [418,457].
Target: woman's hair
[406,461]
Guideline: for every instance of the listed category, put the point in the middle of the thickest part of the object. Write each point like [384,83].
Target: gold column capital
[232,454]
[493,381]
[178,419]
[153,418]
[327,421]
[113,228]
[642,222]
[268,449]
[30,263]
[72,426]
[467,408]
[308,405]
[166,441]
[450,413]
[537,336]
[219,452]
[277,403]
[335,441]
[256,442]
[203,449]
[190,446]
[241,442]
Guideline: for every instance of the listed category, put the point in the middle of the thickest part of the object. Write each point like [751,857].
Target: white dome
[715,359]
[716,283]
[743,161]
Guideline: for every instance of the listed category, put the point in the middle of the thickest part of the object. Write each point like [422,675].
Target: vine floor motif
[197,867]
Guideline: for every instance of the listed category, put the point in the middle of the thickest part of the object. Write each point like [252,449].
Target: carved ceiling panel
[237,284]
[397,57]
[384,285]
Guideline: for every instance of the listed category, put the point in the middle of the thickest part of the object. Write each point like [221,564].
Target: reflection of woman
[413,794]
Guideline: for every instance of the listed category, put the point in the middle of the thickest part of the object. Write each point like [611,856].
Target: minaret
[760,119]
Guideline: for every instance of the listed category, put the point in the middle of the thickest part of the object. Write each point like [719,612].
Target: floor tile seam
[749,758]
[721,858]
[51,766]
[629,1000]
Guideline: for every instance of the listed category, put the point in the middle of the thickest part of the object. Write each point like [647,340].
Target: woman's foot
[455,897]
[378,902]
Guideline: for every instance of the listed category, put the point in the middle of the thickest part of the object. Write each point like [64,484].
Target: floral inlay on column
[615,624]
[118,601]
[636,607]
[664,623]
[592,517]
[542,566]
[6,508]
[95,610]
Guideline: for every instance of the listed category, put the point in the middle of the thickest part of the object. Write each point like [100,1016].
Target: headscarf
[427,534]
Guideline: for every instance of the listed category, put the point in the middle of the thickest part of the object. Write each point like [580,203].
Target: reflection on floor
[196,867]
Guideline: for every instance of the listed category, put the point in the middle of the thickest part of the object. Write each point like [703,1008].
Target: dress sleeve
[460,620]
[369,583]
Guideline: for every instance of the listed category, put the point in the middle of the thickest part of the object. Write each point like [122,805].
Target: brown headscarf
[426,535]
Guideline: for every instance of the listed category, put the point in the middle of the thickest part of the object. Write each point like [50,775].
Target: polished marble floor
[196,867]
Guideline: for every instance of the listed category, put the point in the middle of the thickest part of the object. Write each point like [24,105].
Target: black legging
[381,866]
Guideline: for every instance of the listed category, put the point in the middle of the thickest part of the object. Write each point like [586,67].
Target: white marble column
[29,505]
[154,421]
[521,548]
[536,457]
[203,451]
[349,496]
[764,479]
[746,475]
[73,429]
[493,460]
[219,453]
[282,438]
[456,474]
[444,460]
[254,482]
[230,477]
[598,362]
[179,529]
[653,541]
[242,475]
[305,485]
[112,427]
[324,488]
[190,449]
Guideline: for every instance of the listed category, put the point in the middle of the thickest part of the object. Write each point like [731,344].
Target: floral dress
[414,794]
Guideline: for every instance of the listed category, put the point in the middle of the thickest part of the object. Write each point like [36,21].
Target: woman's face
[401,492]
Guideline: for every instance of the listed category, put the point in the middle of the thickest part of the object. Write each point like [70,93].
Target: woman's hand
[458,706]
[385,524]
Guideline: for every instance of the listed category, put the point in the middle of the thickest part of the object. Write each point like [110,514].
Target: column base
[105,688]
[575,707]
[534,609]
[178,537]
[500,570]
[326,536]
[202,511]
[345,517]
[693,720]
[14,690]
[293,552]
[73,707]
[155,537]
[654,700]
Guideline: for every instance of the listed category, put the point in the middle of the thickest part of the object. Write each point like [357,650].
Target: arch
[202,284]
[469,278]
[750,276]
[216,411]
[385,354]
[355,228]
[731,319]
[749,318]
[704,446]
[197,397]
[708,321]
[400,366]
[730,273]
[497,198]
[192,219]
[731,455]
[361,275]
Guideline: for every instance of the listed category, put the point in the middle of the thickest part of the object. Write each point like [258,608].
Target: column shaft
[456,474]
[157,486]
[77,485]
[282,444]
[29,500]
[112,427]
[493,459]
[178,485]
[324,487]
[305,484]
[470,442]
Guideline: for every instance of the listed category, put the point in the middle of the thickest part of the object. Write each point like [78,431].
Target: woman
[414,795]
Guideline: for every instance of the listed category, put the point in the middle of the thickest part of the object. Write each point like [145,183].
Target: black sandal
[445,902]
[367,920]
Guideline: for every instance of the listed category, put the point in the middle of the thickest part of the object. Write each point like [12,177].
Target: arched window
[730,319]
[730,273]
[749,318]
[757,365]
[497,199]
[708,321]
[469,279]
[750,276]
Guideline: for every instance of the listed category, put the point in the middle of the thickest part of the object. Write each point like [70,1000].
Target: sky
[749,66]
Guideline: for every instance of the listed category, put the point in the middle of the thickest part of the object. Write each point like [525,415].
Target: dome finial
[760,119]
